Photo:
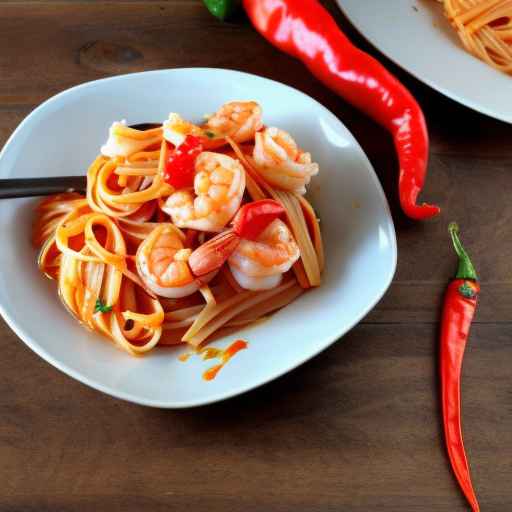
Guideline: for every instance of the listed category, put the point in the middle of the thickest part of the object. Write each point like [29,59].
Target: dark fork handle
[28,187]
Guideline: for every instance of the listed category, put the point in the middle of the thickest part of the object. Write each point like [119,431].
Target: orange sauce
[213,353]
[210,353]
[225,356]
[211,373]
[235,347]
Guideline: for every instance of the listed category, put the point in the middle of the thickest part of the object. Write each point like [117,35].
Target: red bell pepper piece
[253,218]
[458,311]
[180,166]
[305,30]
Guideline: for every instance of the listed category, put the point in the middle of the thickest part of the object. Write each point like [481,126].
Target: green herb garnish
[101,307]
[209,134]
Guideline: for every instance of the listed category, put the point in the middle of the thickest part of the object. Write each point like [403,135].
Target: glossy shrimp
[162,264]
[219,185]
[239,120]
[260,264]
[281,163]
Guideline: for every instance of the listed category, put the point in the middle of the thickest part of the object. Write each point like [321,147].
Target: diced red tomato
[179,168]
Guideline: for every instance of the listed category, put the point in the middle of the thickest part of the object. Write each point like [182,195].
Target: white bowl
[416,35]
[62,136]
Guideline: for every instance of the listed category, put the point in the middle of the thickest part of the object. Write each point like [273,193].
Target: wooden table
[357,429]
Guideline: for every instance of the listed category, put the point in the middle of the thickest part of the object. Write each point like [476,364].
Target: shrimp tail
[213,254]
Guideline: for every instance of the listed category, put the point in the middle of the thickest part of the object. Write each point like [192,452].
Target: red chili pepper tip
[408,197]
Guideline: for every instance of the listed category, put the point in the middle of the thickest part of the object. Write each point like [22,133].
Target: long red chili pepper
[459,308]
[305,30]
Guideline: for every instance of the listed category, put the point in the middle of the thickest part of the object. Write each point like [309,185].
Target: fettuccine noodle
[126,256]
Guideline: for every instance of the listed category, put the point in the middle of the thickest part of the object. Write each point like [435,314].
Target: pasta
[485,29]
[152,256]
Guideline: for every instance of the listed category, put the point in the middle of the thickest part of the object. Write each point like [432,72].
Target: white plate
[415,35]
[63,135]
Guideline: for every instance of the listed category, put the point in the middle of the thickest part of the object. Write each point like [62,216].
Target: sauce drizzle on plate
[225,356]
[213,353]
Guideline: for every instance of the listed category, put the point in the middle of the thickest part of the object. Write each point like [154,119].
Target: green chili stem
[465,269]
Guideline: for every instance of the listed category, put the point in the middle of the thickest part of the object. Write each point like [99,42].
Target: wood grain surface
[357,429]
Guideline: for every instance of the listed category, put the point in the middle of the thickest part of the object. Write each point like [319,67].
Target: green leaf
[222,9]
[100,307]
[209,134]
[466,290]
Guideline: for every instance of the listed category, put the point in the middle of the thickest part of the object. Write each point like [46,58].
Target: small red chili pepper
[305,30]
[458,311]
[253,218]
[179,168]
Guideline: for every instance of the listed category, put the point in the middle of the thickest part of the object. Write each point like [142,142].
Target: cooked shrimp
[162,263]
[280,161]
[239,120]
[211,255]
[124,141]
[260,264]
[219,186]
